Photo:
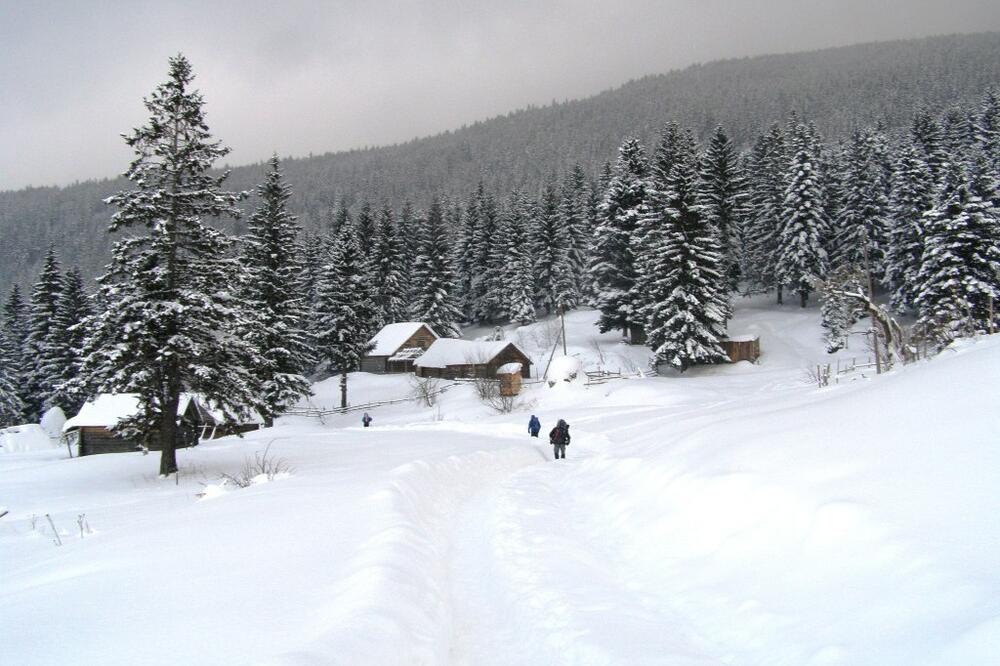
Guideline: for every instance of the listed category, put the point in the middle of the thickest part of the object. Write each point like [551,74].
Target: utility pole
[562,324]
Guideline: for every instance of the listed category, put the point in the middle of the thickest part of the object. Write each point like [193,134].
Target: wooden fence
[320,412]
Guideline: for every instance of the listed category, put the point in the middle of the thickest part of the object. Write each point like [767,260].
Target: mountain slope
[837,88]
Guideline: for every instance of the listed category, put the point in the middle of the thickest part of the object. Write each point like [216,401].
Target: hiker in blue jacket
[534,426]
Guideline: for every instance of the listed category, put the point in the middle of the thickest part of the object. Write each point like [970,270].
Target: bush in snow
[261,467]
[425,390]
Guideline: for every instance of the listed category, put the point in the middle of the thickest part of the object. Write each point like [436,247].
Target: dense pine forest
[898,216]
[838,90]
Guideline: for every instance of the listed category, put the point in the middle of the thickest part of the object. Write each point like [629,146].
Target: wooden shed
[510,379]
[397,346]
[453,359]
[742,348]
[91,428]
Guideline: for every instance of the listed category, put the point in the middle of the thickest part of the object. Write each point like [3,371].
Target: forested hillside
[837,89]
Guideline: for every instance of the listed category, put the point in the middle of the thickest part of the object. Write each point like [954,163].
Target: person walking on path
[534,426]
[366,419]
[559,439]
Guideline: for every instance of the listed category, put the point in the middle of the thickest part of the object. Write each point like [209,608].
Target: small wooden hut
[397,346]
[448,358]
[742,348]
[510,379]
[91,428]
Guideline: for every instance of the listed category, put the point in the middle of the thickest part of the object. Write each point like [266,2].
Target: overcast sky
[300,77]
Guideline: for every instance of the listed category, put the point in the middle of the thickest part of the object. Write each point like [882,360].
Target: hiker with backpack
[534,426]
[559,439]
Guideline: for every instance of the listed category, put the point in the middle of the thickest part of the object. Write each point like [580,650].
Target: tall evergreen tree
[928,138]
[767,194]
[613,268]
[272,289]
[862,230]
[987,128]
[681,272]
[434,299]
[912,197]
[517,262]
[170,321]
[801,257]
[549,245]
[69,336]
[576,225]
[347,312]
[390,274]
[11,407]
[723,197]
[365,225]
[14,340]
[958,275]
[42,344]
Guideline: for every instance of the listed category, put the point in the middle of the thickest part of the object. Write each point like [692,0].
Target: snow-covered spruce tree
[388,263]
[724,198]
[862,229]
[831,178]
[577,224]
[928,138]
[958,273]
[170,319]
[959,132]
[364,225]
[14,338]
[42,345]
[686,304]
[434,300]
[518,265]
[313,251]
[11,407]
[551,252]
[69,336]
[613,269]
[801,257]
[912,196]
[477,273]
[272,290]
[347,310]
[987,128]
[840,313]
[466,259]
[769,164]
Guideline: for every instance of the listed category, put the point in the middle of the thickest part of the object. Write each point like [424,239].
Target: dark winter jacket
[560,434]
[534,425]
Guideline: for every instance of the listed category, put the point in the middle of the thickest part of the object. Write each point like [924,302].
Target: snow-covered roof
[107,409]
[253,418]
[408,354]
[392,337]
[509,368]
[750,337]
[449,351]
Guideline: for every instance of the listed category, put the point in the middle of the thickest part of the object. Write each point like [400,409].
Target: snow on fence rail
[318,412]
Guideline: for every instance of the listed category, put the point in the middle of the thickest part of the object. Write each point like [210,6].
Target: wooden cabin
[448,358]
[91,428]
[742,348]
[397,346]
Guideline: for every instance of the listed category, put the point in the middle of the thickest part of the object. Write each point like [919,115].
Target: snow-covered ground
[730,515]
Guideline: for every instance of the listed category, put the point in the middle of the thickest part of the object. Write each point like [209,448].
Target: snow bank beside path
[854,525]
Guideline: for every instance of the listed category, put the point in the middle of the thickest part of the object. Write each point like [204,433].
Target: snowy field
[732,515]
